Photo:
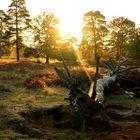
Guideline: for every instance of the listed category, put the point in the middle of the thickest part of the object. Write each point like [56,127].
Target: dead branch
[95,78]
[66,68]
[80,100]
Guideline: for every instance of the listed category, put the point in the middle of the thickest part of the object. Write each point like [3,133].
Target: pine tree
[18,22]
[93,34]
[3,18]
[122,34]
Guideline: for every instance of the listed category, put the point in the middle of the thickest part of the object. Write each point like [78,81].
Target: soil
[48,124]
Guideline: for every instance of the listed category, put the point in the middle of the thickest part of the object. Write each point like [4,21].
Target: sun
[72,26]
[70,15]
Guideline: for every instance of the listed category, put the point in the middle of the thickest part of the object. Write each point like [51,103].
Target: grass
[16,97]
[124,99]
[24,99]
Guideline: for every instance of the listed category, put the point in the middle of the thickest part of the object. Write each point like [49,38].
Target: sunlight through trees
[48,38]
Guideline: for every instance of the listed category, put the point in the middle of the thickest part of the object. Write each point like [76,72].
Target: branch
[127,79]
[128,69]
[67,70]
[114,64]
[95,78]
[63,76]
[108,66]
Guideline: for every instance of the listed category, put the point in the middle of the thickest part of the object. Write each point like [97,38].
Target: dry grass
[16,96]
[26,85]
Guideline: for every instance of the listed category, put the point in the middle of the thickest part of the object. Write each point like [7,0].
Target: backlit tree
[18,23]
[94,32]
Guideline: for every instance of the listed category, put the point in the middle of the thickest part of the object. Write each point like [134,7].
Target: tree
[30,52]
[94,32]
[134,49]
[67,48]
[46,34]
[2,18]
[4,33]
[18,23]
[122,33]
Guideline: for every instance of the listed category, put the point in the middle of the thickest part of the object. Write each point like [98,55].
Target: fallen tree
[90,106]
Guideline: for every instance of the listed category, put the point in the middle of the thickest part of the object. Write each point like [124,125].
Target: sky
[71,11]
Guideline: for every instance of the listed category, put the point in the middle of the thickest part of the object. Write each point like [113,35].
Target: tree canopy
[94,32]
[118,38]
[46,34]
[18,23]
[122,33]
[134,48]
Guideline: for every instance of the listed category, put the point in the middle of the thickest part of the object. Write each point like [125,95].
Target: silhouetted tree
[30,52]
[94,32]
[67,50]
[2,18]
[134,49]
[46,34]
[4,33]
[18,23]
[122,33]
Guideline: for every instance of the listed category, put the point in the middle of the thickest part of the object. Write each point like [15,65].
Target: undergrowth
[26,85]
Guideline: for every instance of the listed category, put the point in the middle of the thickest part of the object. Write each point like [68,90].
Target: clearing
[32,107]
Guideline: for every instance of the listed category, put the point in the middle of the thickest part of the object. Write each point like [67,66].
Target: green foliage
[4,49]
[30,52]
[134,49]
[18,22]
[67,50]
[118,40]
[46,34]
[17,11]
[94,31]
[69,54]
[122,33]
[2,19]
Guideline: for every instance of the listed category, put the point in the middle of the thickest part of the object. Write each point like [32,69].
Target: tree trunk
[1,28]
[120,52]
[95,78]
[17,38]
[95,51]
[47,59]
[117,54]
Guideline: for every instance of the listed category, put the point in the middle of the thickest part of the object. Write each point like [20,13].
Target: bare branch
[118,67]
[66,68]
[128,69]
[113,64]
[128,79]
[95,78]
[63,75]
[108,66]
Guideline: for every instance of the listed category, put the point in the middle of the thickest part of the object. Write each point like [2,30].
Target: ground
[32,107]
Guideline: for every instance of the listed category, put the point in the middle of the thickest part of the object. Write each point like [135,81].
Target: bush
[30,52]
[35,82]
